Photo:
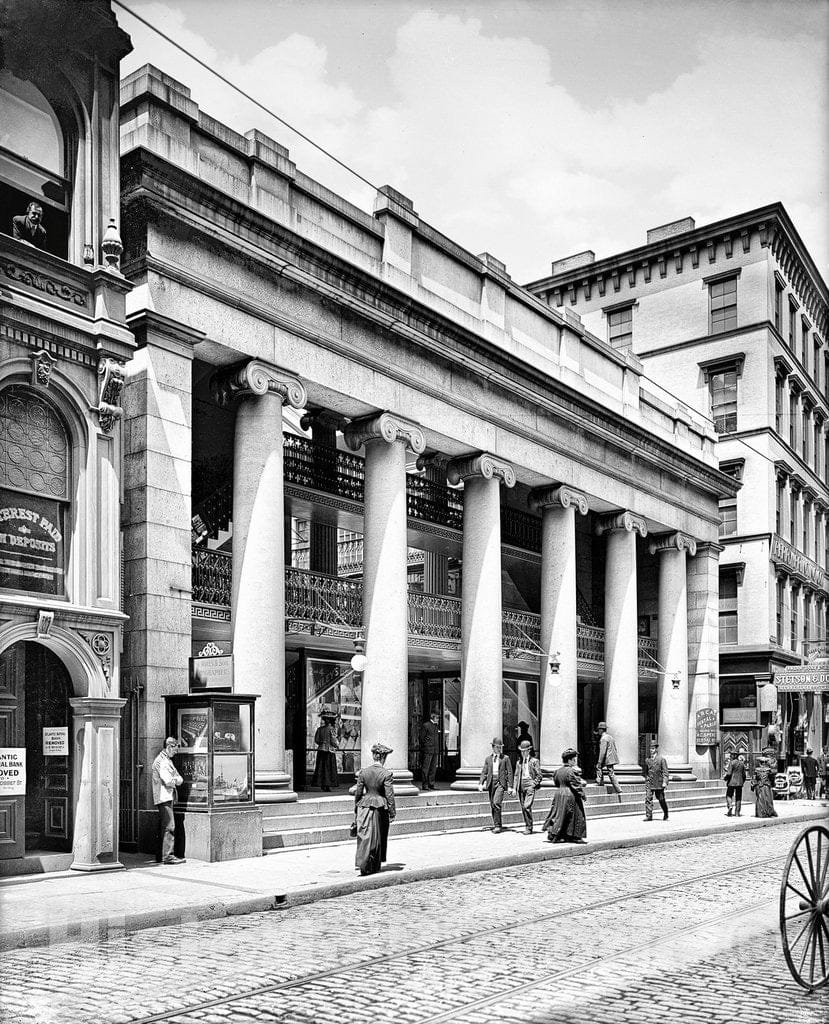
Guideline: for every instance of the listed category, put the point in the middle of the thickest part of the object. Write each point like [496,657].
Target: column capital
[560,496]
[384,426]
[480,464]
[673,542]
[323,418]
[624,520]
[710,547]
[255,378]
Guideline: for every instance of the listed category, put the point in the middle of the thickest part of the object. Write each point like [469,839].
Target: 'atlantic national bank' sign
[31,543]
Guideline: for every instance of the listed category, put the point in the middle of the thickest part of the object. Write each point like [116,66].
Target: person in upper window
[29,228]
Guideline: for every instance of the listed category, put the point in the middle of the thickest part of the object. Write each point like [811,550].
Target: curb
[119,925]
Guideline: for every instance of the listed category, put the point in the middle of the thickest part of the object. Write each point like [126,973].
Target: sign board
[31,543]
[56,741]
[211,673]
[12,771]
[739,716]
[707,722]
[802,680]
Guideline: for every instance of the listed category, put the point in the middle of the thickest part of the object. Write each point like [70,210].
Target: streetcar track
[308,979]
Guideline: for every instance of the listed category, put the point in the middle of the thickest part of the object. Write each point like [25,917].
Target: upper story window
[780,493]
[778,306]
[816,367]
[794,400]
[728,606]
[804,343]
[728,506]
[779,391]
[724,400]
[723,305]
[792,326]
[794,502]
[34,189]
[34,492]
[806,413]
[620,327]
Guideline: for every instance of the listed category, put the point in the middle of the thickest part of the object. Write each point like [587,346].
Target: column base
[549,770]
[681,772]
[274,788]
[404,783]
[628,774]
[466,779]
[114,865]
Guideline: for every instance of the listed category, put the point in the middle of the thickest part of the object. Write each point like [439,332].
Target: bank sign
[12,771]
[31,543]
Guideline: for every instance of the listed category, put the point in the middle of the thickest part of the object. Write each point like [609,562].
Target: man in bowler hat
[496,779]
[430,749]
[608,758]
[656,779]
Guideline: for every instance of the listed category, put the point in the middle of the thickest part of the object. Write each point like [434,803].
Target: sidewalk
[38,910]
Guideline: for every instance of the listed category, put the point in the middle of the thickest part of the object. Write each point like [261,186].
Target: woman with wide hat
[374,810]
[567,822]
[325,739]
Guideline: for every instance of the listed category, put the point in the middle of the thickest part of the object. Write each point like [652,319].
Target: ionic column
[481,614]
[621,641]
[385,714]
[258,601]
[558,691]
[672,651]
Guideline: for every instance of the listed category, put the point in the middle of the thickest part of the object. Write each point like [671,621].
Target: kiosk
[215,804]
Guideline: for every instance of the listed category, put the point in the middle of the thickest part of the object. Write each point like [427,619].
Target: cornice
[624,520]
[559,496]
[673,542]
[480,464]
[384,426]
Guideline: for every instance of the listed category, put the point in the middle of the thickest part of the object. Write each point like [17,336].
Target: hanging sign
[31,543]
[12,771]
[56,741]
[707,727]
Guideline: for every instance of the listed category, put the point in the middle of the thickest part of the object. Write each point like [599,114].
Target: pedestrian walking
[808,766]
[608,759]
[430,741]
[762,783]
[496,780]
[375,811]
[528,776]
[566,821]
[735,779]
[165,778]
[325,740]
[823,772]
[656,781]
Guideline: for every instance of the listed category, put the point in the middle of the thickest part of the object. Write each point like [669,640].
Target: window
[620,327]
[781,492]
[32,161]
[793,403]
[728,506]
[778,404]
[34,492]
[792,326]
[781,607]
[793,620]
[826,375]
[778,306]
[793,503]
[728,607]
[807,515]
[816,366]
[804,342]
[723,387]
[807,619]
[818,430]
[723,303]
[806,415]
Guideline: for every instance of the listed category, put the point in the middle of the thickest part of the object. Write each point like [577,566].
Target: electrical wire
[247,96]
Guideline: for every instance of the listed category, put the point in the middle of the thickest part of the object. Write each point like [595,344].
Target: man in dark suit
[29,228]
[656,779]
[735,779]
[429,749]
[496,779]
[808,765]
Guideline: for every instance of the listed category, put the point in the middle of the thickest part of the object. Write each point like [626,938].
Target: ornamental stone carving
[673,542]
[255,379]
[480,464]
[387,427]
[558,497]
[42,364]
[110,385]
[112,246]
[628,521]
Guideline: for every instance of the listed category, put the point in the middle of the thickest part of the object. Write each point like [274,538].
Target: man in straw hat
[528,778]
[496,780]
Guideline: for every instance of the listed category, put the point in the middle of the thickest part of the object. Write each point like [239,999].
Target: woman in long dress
[567,822]
[325,769]
[763,785]
[374,809]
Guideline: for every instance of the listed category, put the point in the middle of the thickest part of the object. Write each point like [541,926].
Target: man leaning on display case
[165,780]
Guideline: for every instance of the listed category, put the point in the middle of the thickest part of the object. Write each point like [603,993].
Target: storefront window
[738,702]
[332,686]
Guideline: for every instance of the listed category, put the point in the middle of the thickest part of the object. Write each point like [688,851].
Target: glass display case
[215,756]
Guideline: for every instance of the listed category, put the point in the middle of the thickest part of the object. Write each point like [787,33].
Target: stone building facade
[64,343]
[732,317]
[345,432]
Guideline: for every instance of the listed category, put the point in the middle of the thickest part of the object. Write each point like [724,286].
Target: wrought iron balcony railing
[212,576]
[434,616]
[317,598]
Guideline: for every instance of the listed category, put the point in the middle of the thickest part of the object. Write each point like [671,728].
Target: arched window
[34,492]
[32,162]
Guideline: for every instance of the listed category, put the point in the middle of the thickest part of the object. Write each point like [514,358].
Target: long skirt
[372,839]
[325,770]
[764,803]
[566,821]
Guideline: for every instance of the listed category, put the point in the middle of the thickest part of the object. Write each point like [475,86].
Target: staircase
[326,818]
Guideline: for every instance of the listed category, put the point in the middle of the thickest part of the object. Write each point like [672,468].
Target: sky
[529,129]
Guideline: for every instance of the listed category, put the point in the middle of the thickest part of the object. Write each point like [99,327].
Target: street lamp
[555,664]
[358,659]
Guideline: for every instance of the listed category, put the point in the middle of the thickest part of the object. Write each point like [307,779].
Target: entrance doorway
[36,688]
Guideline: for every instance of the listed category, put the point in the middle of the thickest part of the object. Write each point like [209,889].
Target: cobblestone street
[685,931]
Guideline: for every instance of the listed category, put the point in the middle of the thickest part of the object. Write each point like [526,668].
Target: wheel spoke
[802,895]
[824,870]
[813,944]
[803,876]
[800,936]
[805,949]
[812,871]
[800,913]
[821,928]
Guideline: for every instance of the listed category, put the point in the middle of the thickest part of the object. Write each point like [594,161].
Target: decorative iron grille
[212,576]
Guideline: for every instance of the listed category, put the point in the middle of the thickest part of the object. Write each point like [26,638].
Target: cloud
[498,154]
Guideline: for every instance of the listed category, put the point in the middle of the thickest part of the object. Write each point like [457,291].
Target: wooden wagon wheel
[804,908]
